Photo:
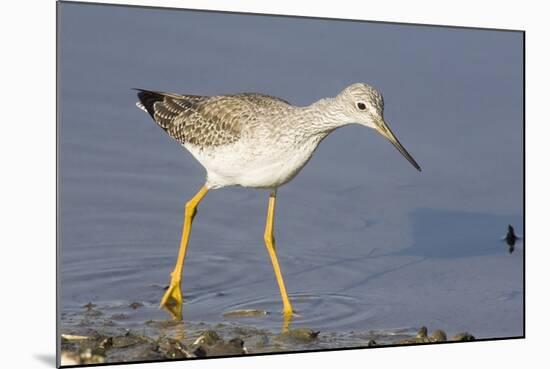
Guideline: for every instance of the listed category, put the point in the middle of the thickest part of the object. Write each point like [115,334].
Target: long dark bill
[385,131]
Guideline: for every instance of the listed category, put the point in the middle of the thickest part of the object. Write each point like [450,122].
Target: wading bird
[258,141]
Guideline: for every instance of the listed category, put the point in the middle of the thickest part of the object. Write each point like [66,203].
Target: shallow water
[365,242]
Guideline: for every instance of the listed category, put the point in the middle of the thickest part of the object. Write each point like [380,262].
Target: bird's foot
[172,300]
[288,314]
[287,311]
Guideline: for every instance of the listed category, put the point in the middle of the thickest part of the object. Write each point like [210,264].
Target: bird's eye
[361,106]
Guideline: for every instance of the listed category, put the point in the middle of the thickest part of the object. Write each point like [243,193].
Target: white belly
[273,174]
[267,168]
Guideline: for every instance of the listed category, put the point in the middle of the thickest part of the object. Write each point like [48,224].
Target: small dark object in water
[439,336]
[463,336]
[136,305]
[371,343]
[511,238]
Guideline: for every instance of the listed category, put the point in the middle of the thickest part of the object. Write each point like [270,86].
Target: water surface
[365,241]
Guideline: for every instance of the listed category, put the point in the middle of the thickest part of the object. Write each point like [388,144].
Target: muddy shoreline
[92,337]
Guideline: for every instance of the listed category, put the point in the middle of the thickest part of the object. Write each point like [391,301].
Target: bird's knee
[269,239]
[190,209]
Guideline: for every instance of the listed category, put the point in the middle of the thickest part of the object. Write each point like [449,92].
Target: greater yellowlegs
[255,140]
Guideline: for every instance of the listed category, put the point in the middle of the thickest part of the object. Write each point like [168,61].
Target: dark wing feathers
[203,120]
[148,100]
[173,113]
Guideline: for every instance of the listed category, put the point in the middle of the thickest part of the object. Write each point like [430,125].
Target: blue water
[364,240]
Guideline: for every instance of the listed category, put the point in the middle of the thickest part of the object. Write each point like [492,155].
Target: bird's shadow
[439,233]
[448,234]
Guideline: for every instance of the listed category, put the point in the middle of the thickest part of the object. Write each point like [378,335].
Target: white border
[27,152]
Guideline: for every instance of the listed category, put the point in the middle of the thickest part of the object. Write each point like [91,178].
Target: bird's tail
[147,100]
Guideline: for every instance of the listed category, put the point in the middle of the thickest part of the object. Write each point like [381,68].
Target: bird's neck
[322,117]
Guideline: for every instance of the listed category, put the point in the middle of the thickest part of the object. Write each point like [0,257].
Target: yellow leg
[287,319]
[270,245]
[172,299]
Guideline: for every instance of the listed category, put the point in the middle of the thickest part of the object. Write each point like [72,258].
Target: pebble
[301,335]
[422,332]
[174,349]
[211,344]
[439,336]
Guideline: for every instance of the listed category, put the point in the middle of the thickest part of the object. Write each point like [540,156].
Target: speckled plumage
[207,121]
[259,141]
[256,140]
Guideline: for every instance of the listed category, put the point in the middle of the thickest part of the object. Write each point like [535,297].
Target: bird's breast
[266,166]
[280,167]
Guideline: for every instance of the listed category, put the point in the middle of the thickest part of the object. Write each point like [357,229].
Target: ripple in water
[316,311]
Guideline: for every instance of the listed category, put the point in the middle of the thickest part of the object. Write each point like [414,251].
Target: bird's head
[364,105]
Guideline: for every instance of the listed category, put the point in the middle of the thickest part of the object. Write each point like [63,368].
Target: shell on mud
[207,338]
